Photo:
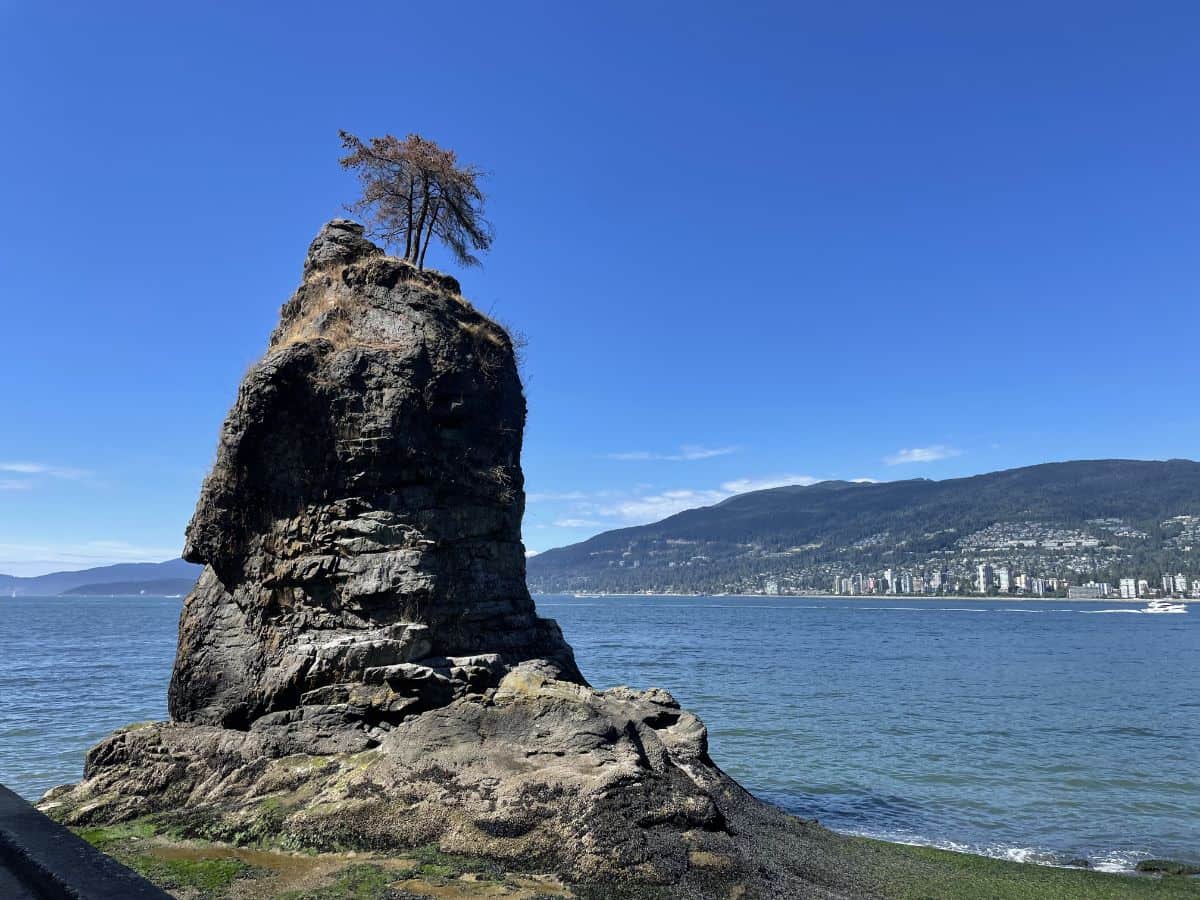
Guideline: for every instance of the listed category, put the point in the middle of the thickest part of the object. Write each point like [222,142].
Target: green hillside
[1102,519]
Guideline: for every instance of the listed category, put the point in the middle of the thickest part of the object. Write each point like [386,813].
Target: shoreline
[1018,855]
[208,870]
[926,599]
[1108,864]
[966,598]
[1026,856]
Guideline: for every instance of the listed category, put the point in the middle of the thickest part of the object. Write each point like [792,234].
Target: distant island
[1084,529]
[166,587]
[175,576]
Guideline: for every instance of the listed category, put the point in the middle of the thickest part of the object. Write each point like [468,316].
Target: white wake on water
[1100,612]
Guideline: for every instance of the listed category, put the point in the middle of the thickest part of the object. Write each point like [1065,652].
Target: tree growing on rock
[413,191]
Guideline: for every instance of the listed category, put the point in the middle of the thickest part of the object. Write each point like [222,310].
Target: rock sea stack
[361,527]
[361,664]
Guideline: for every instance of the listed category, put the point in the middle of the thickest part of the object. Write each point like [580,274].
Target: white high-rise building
[1128,588]
[983,580]
[1181,584]
[1002,580]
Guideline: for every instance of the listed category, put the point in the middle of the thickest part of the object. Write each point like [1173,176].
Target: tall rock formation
[361,664]
[364,512]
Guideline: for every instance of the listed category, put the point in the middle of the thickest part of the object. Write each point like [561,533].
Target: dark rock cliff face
[361,524]
[361,665]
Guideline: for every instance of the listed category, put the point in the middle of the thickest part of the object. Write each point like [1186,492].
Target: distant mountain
[167,587]
[132,577]
[1075,520]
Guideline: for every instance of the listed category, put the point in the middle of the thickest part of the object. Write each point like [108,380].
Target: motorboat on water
[1165,606]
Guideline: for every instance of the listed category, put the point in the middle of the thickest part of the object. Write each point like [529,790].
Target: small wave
[1039,612]
[1129,731]
[747,606]
[1025,855]
[1112,861]
[994,851]
[1100,612]
[972,609]
[1118,861]
[789,606]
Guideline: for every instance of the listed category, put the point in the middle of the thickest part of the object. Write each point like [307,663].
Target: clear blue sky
[749,243]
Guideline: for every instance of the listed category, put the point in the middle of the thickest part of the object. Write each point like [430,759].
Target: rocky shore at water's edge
[195,868]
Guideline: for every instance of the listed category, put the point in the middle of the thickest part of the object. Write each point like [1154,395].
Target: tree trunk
[415,256]
[408,235]
[437,208]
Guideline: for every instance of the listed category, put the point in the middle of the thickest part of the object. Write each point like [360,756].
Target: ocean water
[1033,731]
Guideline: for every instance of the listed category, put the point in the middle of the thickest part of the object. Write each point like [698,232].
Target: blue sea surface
[1028,730]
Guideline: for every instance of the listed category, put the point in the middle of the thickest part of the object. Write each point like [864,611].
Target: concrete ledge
[42,860]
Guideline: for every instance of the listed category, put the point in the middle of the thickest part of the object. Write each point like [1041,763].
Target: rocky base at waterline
[608,788]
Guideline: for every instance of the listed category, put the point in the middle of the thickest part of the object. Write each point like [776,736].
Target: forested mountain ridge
[130,577]
[1075,520]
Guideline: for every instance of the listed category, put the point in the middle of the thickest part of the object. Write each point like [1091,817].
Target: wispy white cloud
[37,559]
[652,507]
[642,503]
[15,484]
[864,481]
[553,496]
[686,453]
[745,485]
[529,553]
[921,455]
[49,471]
